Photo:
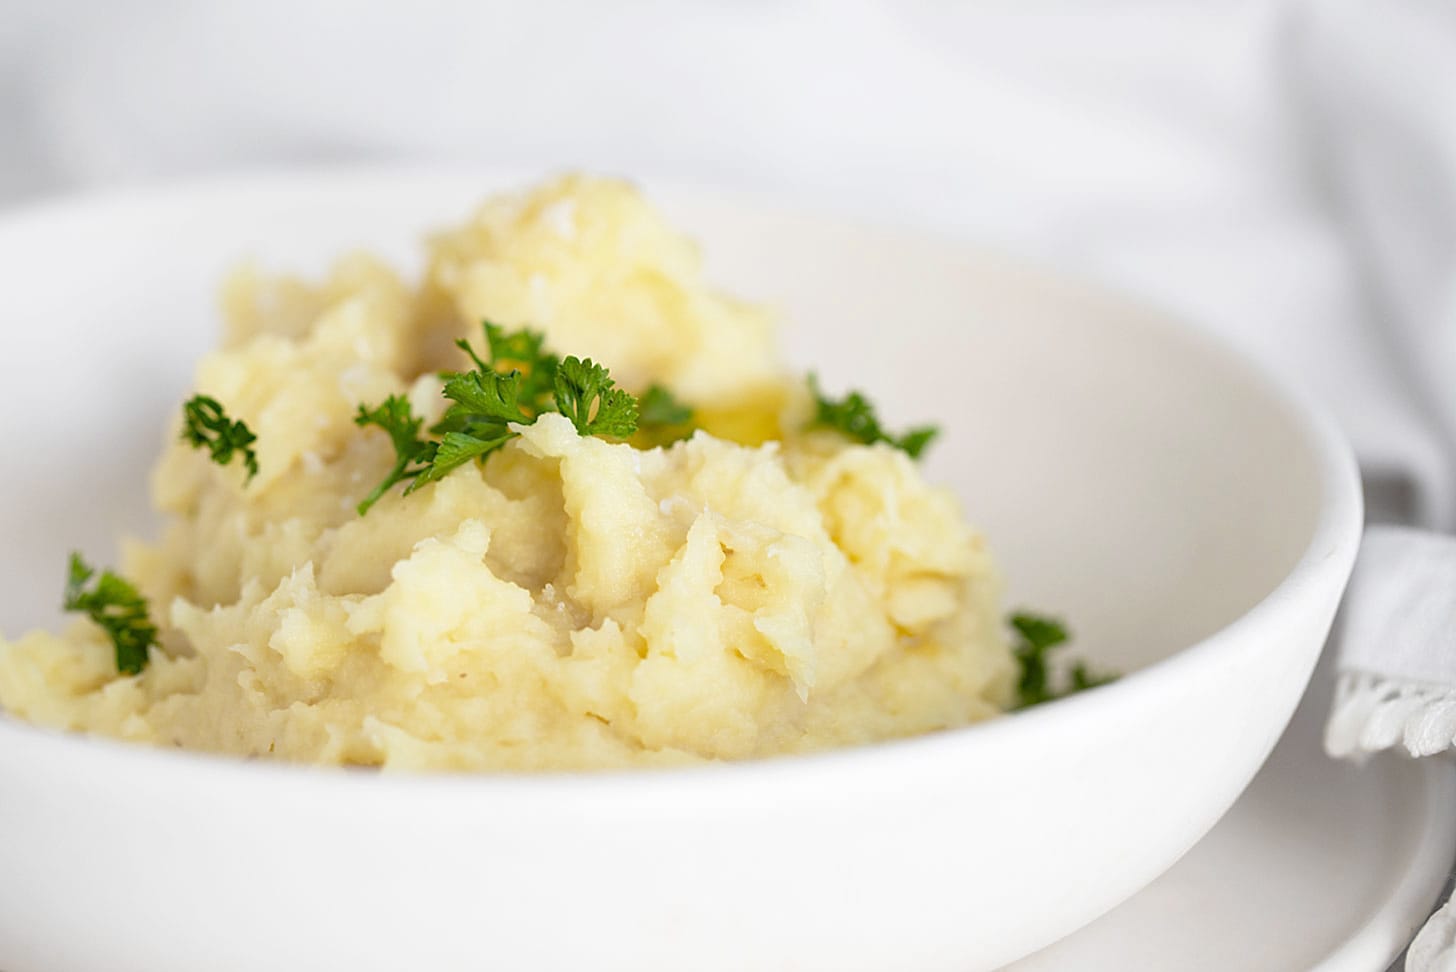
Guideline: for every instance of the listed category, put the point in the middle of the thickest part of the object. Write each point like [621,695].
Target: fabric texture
[1376,83]
[1397,683]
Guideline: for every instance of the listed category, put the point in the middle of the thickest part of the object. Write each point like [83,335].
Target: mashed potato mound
[569,603]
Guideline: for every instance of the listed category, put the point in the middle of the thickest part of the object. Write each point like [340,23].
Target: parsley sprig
[658,406]
[1039,636]
[118,607]
[586,394]
[412,455]
[662,419]
[206,426]
[519,381]
[854,416]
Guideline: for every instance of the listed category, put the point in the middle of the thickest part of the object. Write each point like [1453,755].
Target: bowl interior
[1134,477]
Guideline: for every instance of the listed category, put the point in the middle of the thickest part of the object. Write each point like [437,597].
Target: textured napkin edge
[1375,712]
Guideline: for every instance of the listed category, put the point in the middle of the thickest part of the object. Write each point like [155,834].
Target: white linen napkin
[1377,82]
[1397,683]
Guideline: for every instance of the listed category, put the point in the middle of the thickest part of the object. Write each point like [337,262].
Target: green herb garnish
[120,610]
[489,399]
[1039,636]
[854,416]
[522,351]
[208,427]
[661,418]
[412,455]
[1084,678]
[586,394]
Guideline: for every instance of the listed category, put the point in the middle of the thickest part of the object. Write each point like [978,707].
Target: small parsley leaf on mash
[658,406]
[586,394]
[662,417]
[412,455]
[484,396]
[1084,678]
[458,448]
[1039,636]
[520,382]
[543,387]
[117,607]
[208,427]
[854,417]
[523,351]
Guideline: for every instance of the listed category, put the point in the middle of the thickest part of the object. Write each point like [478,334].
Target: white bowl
[1194,520]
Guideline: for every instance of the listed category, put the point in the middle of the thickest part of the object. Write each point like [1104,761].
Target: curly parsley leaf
[458,448]
[206,426]
[524,351]
[587,395]
[486,396]
[412,455]
[662,418]
[1039,636]
[520,349]
[658,406]
[117,607]
[1083,678]
[521,381]
[914,442]
[854,417]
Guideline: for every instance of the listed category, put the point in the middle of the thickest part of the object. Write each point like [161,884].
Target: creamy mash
[571,602]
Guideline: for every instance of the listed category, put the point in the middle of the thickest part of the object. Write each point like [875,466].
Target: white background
[1170,147]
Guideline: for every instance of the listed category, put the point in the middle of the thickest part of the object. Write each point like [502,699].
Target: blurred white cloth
[1377,84]
[1283,171]
[1160,146]
[1398,684]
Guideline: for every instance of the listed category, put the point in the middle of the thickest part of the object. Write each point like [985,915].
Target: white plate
[1320,865]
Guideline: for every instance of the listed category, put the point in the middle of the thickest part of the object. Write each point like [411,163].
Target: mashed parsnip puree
[571,602]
